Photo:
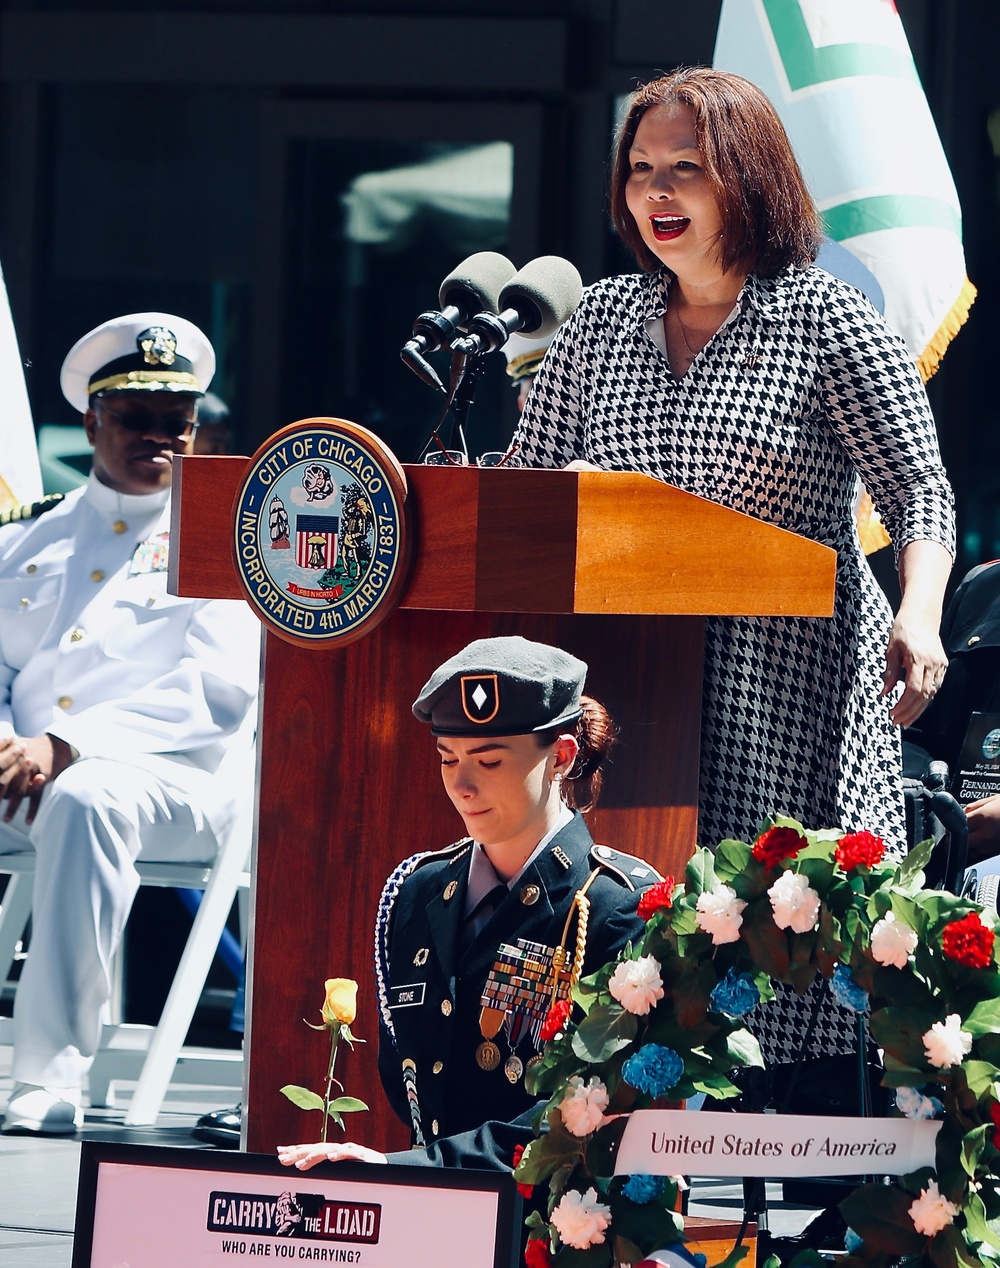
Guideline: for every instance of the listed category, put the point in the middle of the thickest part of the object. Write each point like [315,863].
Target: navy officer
[475,942]
[118,701]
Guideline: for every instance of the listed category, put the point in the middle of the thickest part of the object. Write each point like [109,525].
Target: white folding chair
[155,1056]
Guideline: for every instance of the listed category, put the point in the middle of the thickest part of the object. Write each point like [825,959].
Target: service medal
[513,1068]
[487,1055]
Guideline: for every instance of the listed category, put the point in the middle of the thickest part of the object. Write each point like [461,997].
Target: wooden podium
[615,567]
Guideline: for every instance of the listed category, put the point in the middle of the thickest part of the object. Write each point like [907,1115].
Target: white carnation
[893,941]
[636,984]
[794,902]
[946,1043]
[580,1219]
[583,1105]
[719,913]
[931,1212]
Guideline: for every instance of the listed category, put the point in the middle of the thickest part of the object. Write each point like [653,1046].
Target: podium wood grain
[349,783]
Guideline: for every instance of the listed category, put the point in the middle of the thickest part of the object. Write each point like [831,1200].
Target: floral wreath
[665,1020]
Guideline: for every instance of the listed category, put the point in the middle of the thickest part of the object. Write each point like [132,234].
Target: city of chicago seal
[320,536]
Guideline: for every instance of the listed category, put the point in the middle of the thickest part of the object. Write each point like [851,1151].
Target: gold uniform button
[435,1127]
[450,890]
[64,702]
[31,568]
[97,574]
[77,635]
[446,1007]
[119,526]
[25,602]
[437,1067]
[530,895]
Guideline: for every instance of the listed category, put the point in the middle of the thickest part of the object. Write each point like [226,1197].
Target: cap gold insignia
[450,890]
[480,697]
[158,346]
[421,958]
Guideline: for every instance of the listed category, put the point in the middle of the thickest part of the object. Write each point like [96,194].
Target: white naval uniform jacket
[94,650]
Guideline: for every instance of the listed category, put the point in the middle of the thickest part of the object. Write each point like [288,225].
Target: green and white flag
[842,78]
[20,474]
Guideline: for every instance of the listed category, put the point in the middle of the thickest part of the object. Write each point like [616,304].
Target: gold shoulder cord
[581,906]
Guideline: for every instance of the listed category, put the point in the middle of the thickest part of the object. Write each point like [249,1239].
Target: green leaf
[984,1019]
[973,1147]
[743,1049]
[880,1216]
[980,1076]
[606,1030]
[347,1105]
[699,875]
[909,875]
[947,1249]
[302,1097]
[976,1223]
[731,859]
[766,943]
[900,1031]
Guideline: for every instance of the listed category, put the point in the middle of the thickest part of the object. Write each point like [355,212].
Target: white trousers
[94,821]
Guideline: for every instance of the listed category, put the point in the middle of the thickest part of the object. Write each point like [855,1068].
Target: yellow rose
[341,1003]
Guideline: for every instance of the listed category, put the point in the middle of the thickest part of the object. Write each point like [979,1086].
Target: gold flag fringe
[7,496]
[930,358]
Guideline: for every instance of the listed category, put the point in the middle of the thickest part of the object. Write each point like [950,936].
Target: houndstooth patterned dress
[804,389]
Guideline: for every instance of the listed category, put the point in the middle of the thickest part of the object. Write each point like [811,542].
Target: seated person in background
[214,433]
[521,750]
[970,631]
[118,701]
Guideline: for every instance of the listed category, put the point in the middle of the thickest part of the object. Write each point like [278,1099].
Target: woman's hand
[305,1156]
[916,655]
[581,464]
[914,652]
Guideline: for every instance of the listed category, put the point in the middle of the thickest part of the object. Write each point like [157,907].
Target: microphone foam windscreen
[476,283]
[547,291]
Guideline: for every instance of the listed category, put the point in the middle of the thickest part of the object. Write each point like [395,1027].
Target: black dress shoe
[220,1128]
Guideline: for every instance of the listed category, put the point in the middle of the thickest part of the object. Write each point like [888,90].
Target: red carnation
[859,847]
[537,1253]
[776,844]
[995,1116]
[525,1190]
[969,942]
[556,1019]
[657,896]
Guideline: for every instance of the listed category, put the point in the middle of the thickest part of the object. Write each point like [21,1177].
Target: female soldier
[526,895]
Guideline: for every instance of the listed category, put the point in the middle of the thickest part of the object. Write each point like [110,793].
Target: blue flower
[846,991]
[735,995]
[911,1102]
[643,1189]
[653,1069]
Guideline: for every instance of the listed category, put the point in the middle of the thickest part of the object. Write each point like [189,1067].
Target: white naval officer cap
[147,352]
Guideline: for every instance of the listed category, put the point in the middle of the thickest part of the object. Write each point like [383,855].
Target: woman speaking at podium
[733,368]
[474,943]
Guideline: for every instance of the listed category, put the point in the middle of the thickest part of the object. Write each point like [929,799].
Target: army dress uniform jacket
[429,994]
[970,632]
[95,651]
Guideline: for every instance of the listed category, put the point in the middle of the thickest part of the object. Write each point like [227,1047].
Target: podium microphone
[470,288]
[535,301]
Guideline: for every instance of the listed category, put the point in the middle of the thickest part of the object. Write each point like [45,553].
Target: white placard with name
[700,1143]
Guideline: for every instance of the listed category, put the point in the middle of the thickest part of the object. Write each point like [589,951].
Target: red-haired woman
[735,369]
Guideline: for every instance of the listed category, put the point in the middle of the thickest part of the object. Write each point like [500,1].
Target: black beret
[502,686]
